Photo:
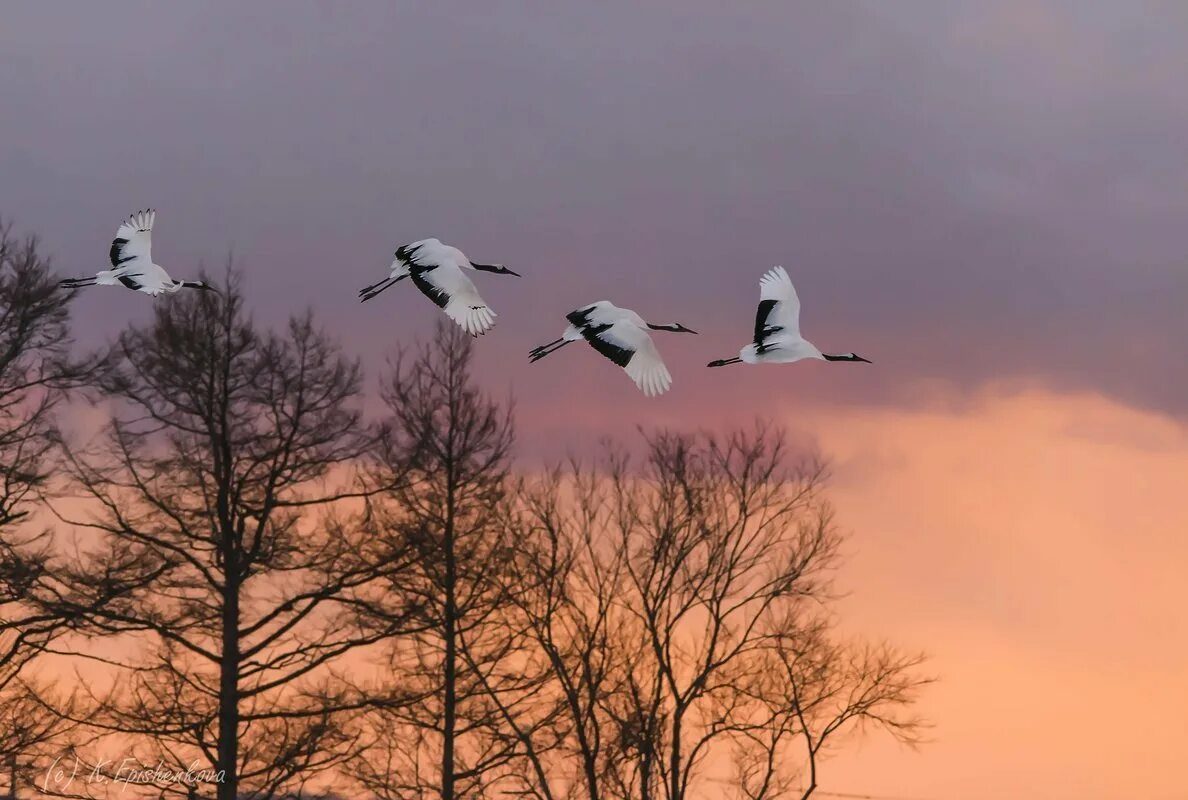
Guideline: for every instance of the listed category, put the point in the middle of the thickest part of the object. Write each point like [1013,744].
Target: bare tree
[721,536]
[36,372]
[446,459]
[678,608]
[215,496]
[606,633]
[817,691]
[572,582]
[30,737]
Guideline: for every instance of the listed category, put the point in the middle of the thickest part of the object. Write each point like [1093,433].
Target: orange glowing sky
[1033,544]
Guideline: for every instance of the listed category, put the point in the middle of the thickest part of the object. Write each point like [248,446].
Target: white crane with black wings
[622,336]
[437,270]
[777,328]
[132,262]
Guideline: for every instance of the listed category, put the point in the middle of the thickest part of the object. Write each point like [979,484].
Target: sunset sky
[989,200]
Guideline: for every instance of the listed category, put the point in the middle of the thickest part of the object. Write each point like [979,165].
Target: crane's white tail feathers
[139,222]
[651,376]
[474,319]
[774,284]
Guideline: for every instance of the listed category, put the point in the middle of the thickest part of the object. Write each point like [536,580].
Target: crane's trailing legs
[537,353]
[77,283]
[368,292]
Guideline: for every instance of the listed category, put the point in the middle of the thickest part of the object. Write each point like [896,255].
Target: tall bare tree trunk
[12,776]
[228,749]
[675,760]
[37,372]
[444,460]
[217,497]
[450,667]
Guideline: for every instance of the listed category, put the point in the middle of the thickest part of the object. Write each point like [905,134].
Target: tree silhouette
[283,598]
[214,493]
[678,608]
[572,580]
[446,459]
[720,536]
[36,372]
[31,738]
[818,690]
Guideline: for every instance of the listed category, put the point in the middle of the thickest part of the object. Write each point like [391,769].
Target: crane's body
[132,262]
[436,269]
[777,338]
[622,336]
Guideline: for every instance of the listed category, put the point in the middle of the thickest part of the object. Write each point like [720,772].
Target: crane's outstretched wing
[452,291]
[633,350]
[603,313]
[134,242]
[423,253]
[779,308]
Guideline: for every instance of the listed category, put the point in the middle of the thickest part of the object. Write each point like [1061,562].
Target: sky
[986,199]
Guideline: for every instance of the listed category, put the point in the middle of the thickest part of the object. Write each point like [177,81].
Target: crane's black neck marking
[721,362]
[502,270]
[844,357]
[675,327]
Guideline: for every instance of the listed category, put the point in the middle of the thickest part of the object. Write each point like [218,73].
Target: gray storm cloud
[965,193]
